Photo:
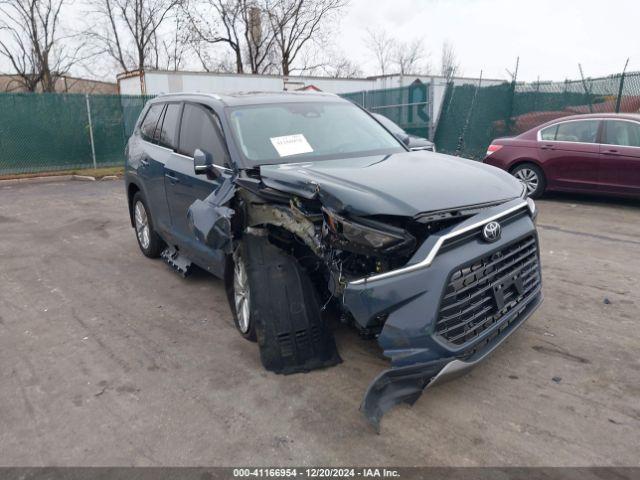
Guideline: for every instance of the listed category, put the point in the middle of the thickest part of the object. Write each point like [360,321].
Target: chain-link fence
[48,131]
[408,107]
[472,115]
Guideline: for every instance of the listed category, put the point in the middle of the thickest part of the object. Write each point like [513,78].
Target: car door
[152,156]
[620,157]
[570,155]
[199,129]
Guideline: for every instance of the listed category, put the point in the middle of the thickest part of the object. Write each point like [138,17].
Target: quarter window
[583,131]
[150,121]
[549,133]
[626,134]
[199,130]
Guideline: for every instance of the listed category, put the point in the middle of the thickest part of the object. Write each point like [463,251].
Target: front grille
[480,295]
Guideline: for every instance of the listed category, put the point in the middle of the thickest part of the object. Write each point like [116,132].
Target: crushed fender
[210,220]
[292,335]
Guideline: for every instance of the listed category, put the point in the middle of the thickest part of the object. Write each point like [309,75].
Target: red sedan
[594,153]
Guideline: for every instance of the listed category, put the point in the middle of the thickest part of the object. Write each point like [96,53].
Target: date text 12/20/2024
[316,472]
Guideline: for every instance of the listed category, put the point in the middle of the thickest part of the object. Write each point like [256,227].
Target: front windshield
[303,131]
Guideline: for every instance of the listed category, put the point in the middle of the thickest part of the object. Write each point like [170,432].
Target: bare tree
[296,23]
[223,28]
[130,29]
[449,65]
[173,49]
[382,46]
[342,67]
[408,57]
[33,45]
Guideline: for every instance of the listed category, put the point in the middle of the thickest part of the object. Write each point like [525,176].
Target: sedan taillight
[493,148]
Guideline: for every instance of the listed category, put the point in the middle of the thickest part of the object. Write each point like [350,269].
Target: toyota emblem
[491,232]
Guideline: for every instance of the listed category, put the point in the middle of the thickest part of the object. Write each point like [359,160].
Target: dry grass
[92,172]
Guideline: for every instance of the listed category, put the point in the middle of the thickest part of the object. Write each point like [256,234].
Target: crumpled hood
[402,184]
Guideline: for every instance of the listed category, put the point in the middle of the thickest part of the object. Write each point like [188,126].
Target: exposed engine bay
[333,247]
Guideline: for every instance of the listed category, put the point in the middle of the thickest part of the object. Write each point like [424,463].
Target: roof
[255,98]
[585,116]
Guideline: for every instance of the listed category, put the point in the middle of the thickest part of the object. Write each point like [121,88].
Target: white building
[155,82]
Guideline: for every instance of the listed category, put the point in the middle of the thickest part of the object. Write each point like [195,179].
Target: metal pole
[431,128]
[468,119]
[93,147]
[587,91]
[620,89]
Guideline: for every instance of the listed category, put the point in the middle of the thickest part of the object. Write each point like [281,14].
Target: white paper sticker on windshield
[291,145]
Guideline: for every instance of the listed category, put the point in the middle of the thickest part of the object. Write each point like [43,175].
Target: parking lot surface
[108,358]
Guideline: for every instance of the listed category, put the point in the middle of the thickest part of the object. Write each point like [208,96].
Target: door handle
[548,147]
[611,150]
[172,178]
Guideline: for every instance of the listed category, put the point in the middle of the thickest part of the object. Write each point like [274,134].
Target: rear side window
[199,130]
[625,134]
[583,131]
[549,133]
[150,121]
[167,133]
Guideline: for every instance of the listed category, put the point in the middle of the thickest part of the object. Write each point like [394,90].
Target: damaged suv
[304,202]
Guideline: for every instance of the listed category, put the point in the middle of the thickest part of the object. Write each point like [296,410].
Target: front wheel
[240,296]
[532,178]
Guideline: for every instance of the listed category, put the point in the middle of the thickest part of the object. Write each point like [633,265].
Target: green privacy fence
[409,107]
[471,115]
[48,131]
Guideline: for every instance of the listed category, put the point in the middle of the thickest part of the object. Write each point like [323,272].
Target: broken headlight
[367,233]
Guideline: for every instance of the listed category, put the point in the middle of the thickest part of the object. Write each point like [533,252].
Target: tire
[241,309]
[149,241]
[532,177]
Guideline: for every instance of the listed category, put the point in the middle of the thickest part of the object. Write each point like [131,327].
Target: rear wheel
[149,241]
[532,178]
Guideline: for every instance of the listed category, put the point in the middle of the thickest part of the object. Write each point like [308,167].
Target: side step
[179,263]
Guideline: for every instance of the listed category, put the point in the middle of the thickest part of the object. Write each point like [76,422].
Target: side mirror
[203,164]
[404,138]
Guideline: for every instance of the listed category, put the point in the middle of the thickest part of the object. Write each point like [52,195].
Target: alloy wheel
[529,179]
[142,225]
[241,295]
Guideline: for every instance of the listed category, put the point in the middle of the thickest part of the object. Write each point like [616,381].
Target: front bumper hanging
[405,384]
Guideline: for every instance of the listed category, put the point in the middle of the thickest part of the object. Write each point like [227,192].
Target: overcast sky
[550,37]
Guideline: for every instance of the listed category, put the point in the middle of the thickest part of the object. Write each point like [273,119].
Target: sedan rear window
[294,132]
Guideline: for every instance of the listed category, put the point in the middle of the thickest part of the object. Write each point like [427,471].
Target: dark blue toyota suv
[305,204]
